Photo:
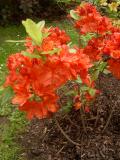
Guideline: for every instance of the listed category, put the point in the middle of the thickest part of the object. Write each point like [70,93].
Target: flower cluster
[112,48]
[90,20]
[107,37]
[55,39]
[35,80]
[94,48]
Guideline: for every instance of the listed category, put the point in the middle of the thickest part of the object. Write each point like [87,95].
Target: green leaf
[41,25]
[46,34]
[71,93]
[78,1]
[92,92]
[84,88]
[102,66]
[63,1]
[15,41]
[79,80]
[95,75]
[31,55]
[74,15]
[72,50]
[97,69]
[67,108]
[86,38]
[69,44]
[56,50]
[33,31]
[106,71]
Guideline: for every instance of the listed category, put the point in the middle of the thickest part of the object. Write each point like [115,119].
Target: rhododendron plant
[106,41]
[48,62]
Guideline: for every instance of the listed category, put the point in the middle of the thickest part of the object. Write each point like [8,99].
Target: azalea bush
[50,61]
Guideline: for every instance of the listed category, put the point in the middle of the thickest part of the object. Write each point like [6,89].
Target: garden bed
[43,139]
[37,76]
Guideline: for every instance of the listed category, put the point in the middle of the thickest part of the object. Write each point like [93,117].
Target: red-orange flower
[94,49]
[31,77]
[112,45]
[114,67]
[41,109]
[90,20]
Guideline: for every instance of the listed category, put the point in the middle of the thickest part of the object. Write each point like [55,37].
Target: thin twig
[73,123]
[65,135]
[83,119]
[97,117]
[60,150]
[108,120]
[102,155]
[93,118]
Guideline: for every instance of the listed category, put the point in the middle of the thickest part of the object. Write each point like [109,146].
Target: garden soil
[98,140]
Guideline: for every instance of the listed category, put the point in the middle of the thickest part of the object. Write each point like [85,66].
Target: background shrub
[16,10]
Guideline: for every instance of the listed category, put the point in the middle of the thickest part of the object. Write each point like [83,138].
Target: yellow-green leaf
[92,92]
[31,55]
[74,15]
[72,50]
[15,41]
[41,25]
[33,31]
[55,50]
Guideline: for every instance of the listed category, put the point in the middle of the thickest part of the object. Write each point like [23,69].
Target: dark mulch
[44,141]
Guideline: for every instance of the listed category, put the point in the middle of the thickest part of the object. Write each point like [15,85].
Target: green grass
[13,124]
[9,149]
[12,32]
[15,120]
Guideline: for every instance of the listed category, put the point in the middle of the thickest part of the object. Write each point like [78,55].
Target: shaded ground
[43,139]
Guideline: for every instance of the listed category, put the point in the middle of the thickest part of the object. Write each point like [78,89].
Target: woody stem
[83,119]
[65,135]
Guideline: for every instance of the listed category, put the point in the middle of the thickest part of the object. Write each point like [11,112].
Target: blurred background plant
[14,11]
[111,8]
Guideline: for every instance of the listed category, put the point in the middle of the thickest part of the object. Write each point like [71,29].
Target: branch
[65,135]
